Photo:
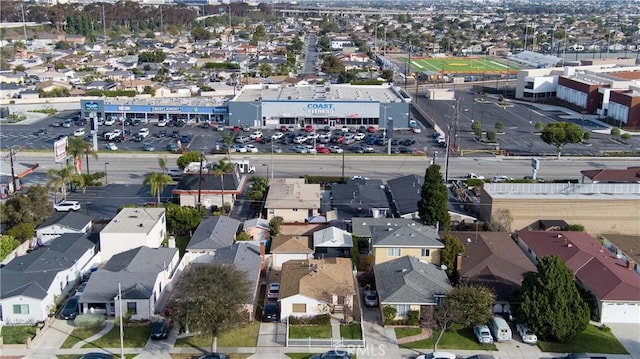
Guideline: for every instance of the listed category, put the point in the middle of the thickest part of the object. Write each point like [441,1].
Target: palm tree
[157,181]
[162,163]
[76,147]
[221,168]
[228,140]
[58,180]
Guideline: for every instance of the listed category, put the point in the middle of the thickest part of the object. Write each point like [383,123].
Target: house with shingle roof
[405,192]
[360,198]
[64,222]
[286,248]
[493,260]
[213,233]
[292,199]
[612,175]
[409,284]
[316,286]
[142,275]
[613,284]
[413,239]
[32,282]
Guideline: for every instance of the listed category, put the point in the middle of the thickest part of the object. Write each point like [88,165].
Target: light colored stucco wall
[381,254]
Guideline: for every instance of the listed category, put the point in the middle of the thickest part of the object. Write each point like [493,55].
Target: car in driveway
[160,329]
[527,335]
[66,206]
[483,334]
[71,308]
[96,355]
[270,312]
[214,356]
[332,354]
[370,298]
[111,146]
[273,291]
[147,146]
[437,355]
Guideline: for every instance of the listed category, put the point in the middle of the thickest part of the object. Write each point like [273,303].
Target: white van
[500,329]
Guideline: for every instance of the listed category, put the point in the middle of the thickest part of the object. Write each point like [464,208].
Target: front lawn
[454,338]
[79,334]
[351,331]
[17,334]
[404,332]
[134,337]
[309,331]
[592,340]
[243,336]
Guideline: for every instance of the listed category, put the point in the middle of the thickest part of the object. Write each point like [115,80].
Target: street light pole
[200,180]
[106,177]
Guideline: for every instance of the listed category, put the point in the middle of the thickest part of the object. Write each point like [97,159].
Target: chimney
[262,249]
[458,261]
[629,264]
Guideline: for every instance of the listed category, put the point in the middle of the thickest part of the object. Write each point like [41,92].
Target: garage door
[620,312]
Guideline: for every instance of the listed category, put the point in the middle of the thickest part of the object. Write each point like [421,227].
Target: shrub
[499,126]
[615,131]
[413,317]
[586,136]
[626,136]
[576,228]
[322,319]
[539,126]
[491,136]
[389,313]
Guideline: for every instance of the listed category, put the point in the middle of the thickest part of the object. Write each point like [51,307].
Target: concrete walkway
[108,325]
[335,329]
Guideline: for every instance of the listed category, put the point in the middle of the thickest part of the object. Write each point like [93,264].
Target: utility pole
[104,24]
[12,155]
[24,25]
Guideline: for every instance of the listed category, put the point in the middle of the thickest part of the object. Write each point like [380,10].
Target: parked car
[256,134]
[277,136]
[299,149]
[246,128]
[251,148]
[147,146]
[370,298]
[96,355]
[81,288]
[70,309]
[501,179]
[416,129]
[160,329]
[482,356]
[110,121]
[322,149]
[185,138]
[367,149]
[437,355]
[242,139]
[335,149]
[580,356]
[359,136]
[371,129]
[214,356]
[174,173]
[161,123]
[175,133]
[67,123]
[238,148]
[270,312]
[144,132]
[483,334]
[161,133]
[66,206]
[112,146]
[276,149]
[537,179]
[527,335]
[332,354]
[273,291]
[300,139]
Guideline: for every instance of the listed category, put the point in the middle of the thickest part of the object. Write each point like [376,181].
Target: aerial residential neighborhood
[319,180]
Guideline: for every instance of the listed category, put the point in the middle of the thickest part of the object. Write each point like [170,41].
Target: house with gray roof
[32,282]
[360,198]
[361,226]
[63,222]
[332,242]
[390,241]
[142,274]
[409,284]
[213,233]
[405,193]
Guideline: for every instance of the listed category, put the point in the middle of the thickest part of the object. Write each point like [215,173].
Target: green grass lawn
[313,331]
[592,340]
[79,334]
[407,332]
[454,338]
[244,336]
[17,334]
[134,337]
[351,331]
[461,64]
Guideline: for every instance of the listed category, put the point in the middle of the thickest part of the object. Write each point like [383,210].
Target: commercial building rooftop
[324,92]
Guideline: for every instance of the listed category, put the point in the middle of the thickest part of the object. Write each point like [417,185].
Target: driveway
[629,336]
[272,334]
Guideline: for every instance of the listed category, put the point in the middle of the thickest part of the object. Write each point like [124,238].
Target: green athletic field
[461,65]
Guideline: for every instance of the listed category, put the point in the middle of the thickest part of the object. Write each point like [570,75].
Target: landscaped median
[243,336]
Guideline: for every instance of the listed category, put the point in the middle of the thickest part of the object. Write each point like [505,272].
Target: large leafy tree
[31,207]
[211,299]
[187,158]
[332,65]
[432,206]
[7,245]
[158,182]
[560,133]
[452,246]
[223,167]
[183,219]
[550,302]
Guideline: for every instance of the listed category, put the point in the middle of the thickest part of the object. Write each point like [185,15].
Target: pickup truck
[580,356]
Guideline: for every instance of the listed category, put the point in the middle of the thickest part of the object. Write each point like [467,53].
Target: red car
[371,129]
[320,149]
[236,128]
[308,128]
[283,129]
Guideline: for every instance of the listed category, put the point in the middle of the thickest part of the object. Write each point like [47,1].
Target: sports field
[461,65]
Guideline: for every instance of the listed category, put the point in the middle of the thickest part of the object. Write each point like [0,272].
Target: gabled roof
[412,235]
[136,270]
[290,244]
[286,193]
[332,237]
[407,280]
[210,182]
[319,279]
[72,220]
[256,222]
[214,233]
[606,276]
[357,197]
[33,273]
[361,226]
[405,192]
[493,259]
[613,175]
[245,256]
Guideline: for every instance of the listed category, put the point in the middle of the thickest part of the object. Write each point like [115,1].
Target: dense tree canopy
[432,206]
[452,246]
[183,219]
[550,302]
[211,299]
[559,134]
[187,158]
[33,207]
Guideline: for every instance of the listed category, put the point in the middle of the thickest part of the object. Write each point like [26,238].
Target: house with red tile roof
[612,175]
[613,284]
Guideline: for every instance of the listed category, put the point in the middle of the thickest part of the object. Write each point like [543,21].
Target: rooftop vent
[140,224]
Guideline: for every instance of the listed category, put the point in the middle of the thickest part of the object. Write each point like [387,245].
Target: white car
[483,334]
[66,206]
[110,121]
[256,134]
[359,136]
[311,149]
[501,178]
[238,148]
[273,291]
[242,139]
[437,355]
[370,298]
[161,123]
[79,132]
[112,146]
[312,136]
[416,129]
[526,334]
[277,136]
[144,132]
[300,139]
[474,176]
[251,148]
[335,149]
